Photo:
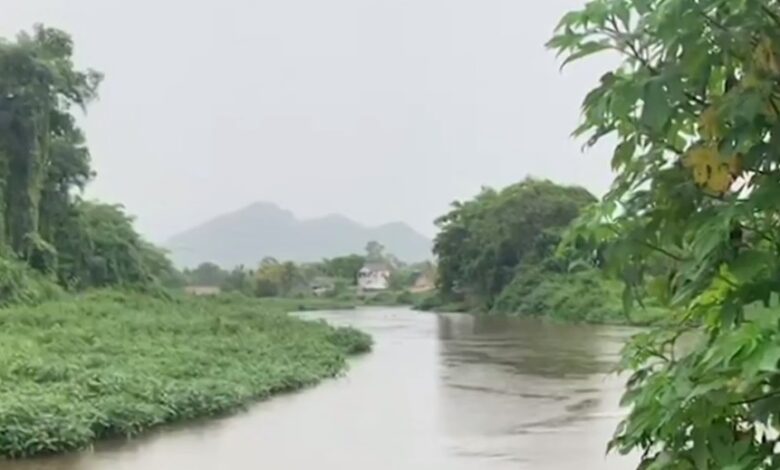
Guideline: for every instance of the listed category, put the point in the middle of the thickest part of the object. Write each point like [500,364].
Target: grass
[111,364]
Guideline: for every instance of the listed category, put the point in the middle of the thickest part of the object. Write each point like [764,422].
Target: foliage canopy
[483,241]
[45,162]
[692,218]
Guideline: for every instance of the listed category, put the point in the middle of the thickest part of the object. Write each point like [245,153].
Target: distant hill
[264,229]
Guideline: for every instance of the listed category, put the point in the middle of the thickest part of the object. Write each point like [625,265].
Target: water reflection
[527,391]
[450,392]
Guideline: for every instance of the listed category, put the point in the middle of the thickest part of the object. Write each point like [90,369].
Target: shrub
[21,285]
[582,296]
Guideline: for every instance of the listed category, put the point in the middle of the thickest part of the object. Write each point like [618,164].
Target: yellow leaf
[711,171]
[719,180]
[709,125]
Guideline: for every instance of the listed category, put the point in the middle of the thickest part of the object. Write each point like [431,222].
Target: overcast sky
[380,110]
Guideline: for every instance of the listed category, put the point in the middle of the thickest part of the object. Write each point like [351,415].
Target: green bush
[20,284]
[584,296]
[114,363]
[405,298]
[351,340]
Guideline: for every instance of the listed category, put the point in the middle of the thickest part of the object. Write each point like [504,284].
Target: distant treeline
[334,277]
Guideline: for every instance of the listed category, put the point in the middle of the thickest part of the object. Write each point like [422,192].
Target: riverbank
[304,304]
[107,364]
[585,297]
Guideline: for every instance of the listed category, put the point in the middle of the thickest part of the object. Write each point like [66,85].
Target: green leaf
[628,299]
[623,13]
[655,110]
[596,12]
[710,237]
[770,359]
[749,264]
[585,50]
[701,454]
[623,154]
[643,7]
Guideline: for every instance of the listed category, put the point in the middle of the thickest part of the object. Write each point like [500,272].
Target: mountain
[264,229]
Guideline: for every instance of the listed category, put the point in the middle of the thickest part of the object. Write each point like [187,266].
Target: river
[449,392]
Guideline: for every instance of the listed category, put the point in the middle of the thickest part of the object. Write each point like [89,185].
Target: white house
[374,277]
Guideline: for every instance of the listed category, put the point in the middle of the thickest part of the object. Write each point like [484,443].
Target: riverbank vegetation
[498,253]
[691,222]
[115,364]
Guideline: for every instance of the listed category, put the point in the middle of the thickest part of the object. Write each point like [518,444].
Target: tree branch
[750,401]
[651,246]
[623,36]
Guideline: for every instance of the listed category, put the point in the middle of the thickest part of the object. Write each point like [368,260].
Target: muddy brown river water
[449,392]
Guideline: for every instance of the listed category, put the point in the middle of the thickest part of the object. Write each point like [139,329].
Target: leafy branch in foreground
[692,218]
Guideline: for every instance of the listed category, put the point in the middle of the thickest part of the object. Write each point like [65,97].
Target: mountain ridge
[247,235]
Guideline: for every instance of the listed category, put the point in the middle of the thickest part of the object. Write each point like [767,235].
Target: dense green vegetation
[111,364]
[44,164]
[498,253]
[569,296]
[21,285]
[692,219]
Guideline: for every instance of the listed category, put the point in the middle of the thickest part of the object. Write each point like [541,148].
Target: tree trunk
[23,185]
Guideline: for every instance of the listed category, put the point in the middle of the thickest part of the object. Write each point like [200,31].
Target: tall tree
[273,278]
[344,267]
[692,218]
[38,86]
[207,274]
[375,251]
[482,242]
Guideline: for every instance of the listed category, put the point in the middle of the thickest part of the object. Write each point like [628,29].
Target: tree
[276,279]
[375,251]
[238,280]
[402,279]
[38,86]
[45,164]
[207,274]
[344,267]
[98,246]
[482,242]
[692,218]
